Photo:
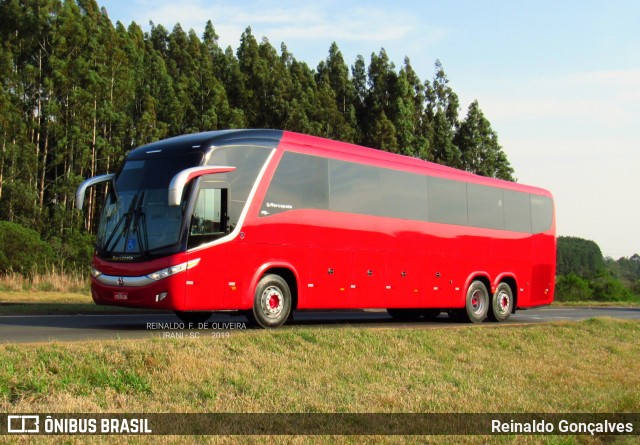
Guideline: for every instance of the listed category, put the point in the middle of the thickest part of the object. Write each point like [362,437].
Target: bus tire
[477,303]
[272,302]
[501,303]
[193,317]
[405,314]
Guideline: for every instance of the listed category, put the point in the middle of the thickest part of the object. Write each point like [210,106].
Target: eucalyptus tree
[441,113]
[478,143]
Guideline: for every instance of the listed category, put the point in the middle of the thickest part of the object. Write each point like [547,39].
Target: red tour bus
[267,222]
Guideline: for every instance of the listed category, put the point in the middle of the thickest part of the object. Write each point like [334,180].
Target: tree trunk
[92,171]
[2,154]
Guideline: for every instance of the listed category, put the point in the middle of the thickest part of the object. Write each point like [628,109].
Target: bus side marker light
[353,286]
[232,285]
[388,287]
[310,285]
[435,288]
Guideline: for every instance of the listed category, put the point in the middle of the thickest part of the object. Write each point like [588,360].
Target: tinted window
[311,182]
[153,173]
[208,221]
[354,188]
[541,213]
[447,201]
[248,161]
[485,206]
[404,195]
[300,182]
[517,211]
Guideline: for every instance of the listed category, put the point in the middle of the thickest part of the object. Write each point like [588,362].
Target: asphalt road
[46,328]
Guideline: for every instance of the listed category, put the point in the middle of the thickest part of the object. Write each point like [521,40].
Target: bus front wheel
[477,303]
[272,302]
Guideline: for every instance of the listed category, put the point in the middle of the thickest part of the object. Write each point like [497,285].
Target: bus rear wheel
[477,303]
[272,302]
[501,303]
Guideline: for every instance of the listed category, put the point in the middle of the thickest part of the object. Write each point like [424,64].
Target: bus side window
[541,213]
[209,219]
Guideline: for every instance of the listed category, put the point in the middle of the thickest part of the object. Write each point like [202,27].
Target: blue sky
[558,80]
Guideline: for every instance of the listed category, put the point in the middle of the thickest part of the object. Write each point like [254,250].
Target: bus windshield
[136,220]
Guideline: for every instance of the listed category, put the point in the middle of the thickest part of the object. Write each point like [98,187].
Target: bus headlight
[164,273]
[95,273]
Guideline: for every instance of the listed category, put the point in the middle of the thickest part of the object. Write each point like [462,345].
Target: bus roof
[287,140]
[202,142]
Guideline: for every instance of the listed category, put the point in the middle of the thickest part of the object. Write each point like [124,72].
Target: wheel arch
[477,276]
[285,270]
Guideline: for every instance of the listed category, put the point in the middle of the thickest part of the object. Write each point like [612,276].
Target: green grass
[588,366]
[593,303]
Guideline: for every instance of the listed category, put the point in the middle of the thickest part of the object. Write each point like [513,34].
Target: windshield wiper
[126,218]
[141,230]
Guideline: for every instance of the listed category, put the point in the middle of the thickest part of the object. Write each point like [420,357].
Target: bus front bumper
[141,292]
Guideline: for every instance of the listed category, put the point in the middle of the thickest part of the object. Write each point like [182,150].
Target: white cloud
[292,22]
[604,98]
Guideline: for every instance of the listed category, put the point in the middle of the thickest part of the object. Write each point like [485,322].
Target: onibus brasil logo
[33,424]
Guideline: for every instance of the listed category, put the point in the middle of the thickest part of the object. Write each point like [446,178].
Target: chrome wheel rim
[272,302]
[478,302]
[503,301]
